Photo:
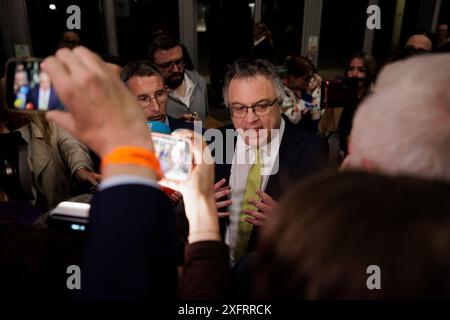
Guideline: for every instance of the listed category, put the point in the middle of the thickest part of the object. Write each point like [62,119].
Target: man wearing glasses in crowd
[188,97]
[145,81]
[269,156]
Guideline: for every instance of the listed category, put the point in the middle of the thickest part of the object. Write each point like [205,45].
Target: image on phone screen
[174,156]
[29,88]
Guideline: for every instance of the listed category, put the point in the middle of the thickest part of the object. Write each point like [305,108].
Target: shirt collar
[267,149]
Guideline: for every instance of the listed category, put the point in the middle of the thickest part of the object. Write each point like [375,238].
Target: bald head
[69,39]
[403,127]
[419,41]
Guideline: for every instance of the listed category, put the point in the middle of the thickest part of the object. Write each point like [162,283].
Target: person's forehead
[162,56]
[357,62]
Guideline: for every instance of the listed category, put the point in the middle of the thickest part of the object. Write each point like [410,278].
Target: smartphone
[339,93]
[175,156]
[70,216]
[28,88]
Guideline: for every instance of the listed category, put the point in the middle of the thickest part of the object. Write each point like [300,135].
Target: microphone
[159,127]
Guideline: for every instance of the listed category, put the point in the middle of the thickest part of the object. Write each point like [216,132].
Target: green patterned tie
[245,228]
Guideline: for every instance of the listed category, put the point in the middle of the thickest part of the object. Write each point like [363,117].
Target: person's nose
[154,105]
[250,117]
[176,67]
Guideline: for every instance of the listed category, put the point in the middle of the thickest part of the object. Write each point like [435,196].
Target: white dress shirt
[244,157]
[44,99]
[186,99]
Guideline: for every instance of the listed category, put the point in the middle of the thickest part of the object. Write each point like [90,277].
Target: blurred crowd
[339,175]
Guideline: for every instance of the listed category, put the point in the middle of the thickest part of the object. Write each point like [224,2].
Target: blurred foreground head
[403,126]
[320,245]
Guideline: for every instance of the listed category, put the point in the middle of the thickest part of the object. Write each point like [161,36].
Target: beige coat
[53,165]
[329,122]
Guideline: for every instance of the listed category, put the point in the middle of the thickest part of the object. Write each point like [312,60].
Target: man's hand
[265,207]
[190,117]
[314,83]
[221,191]
[198,191]
[102,112]
[86,176]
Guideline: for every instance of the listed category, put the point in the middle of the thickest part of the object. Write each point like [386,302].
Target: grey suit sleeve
[74,153]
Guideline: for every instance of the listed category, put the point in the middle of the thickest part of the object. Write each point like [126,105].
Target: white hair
[403,127]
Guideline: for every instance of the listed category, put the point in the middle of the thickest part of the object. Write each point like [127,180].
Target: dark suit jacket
[130,251]
[175,124]
[301,154]
[53,102]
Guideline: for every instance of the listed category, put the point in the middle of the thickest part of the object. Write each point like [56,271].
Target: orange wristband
[134,156]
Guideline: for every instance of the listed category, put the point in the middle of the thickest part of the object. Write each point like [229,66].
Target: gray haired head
[250,68]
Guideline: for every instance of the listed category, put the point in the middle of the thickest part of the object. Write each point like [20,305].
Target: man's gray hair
[403,127]
[250,68]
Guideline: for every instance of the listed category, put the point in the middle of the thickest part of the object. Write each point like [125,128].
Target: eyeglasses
[260,109]
[168,65]
[160,97]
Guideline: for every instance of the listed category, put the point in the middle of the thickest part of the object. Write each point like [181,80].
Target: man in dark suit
[267,151]
[146,82]
[42,96]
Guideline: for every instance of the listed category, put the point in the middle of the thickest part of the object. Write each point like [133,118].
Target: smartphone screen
[339,93]
[174,156]
[29,88]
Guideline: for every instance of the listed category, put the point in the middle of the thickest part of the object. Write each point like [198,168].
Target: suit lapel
[39,150]
[291,149]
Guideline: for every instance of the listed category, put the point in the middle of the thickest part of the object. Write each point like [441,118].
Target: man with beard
[187,95]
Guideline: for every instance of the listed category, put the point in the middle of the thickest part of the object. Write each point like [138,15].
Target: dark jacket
[130,251]
[175,124]
[53,102]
